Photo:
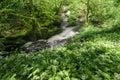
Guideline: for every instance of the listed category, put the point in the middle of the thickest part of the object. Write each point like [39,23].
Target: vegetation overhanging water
[94,54]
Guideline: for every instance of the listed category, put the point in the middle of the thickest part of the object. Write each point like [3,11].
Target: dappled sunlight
[108,44]
[60,40]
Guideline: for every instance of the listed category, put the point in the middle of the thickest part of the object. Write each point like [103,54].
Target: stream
[55,41]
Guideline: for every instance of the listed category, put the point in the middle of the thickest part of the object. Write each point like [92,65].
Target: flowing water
[67,32]
[57,40]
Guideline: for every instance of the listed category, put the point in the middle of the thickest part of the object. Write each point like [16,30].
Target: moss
[12,43]
[2,46]
[54,31]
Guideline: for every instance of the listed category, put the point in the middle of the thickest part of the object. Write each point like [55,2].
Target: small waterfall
[64,16]
[53,42]
[59,39]
[64,22]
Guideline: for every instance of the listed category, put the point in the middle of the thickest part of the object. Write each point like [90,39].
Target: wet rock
[57,43]
[32,47]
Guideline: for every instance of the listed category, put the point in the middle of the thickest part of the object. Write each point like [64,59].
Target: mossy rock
[72,23]
[15,34]
[54,31]
[13,43]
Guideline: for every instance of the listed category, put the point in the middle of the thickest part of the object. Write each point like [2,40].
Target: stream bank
[55,41]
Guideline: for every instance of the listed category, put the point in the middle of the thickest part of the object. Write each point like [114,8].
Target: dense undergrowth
[22,18]
[94,55]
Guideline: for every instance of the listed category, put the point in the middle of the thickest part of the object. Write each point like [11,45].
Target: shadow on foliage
[108,33]
[62,63]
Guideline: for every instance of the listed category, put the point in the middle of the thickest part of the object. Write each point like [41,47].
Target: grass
[93,55]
